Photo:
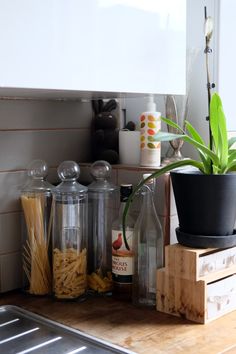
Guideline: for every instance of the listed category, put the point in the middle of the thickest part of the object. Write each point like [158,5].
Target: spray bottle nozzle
[151,106]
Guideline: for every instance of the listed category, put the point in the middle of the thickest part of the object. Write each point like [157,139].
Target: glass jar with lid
[69,231]
[36,204]
[103,206]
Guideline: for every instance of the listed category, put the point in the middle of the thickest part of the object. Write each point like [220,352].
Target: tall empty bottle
[103,203]
[148,248]
[70,214]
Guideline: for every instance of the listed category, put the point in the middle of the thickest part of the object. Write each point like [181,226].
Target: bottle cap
[146,175]
[151,105]
[125,191]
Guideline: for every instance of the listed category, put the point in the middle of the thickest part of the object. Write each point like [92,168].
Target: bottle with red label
[122,250]
[150,125]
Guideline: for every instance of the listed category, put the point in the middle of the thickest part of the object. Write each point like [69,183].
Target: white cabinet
[131,46]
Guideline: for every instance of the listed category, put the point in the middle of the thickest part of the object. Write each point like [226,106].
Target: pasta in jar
[69,273]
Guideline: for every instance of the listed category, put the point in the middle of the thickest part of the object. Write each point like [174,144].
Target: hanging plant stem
[208,50]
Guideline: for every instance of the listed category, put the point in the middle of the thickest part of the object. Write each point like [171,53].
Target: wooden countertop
[140,330]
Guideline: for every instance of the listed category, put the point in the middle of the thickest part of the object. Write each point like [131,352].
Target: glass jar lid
[101,172]
[37,172]
[68,172]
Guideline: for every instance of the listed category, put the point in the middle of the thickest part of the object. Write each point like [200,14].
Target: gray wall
[30,129]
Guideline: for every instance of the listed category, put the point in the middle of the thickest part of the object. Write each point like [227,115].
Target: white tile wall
[30,129]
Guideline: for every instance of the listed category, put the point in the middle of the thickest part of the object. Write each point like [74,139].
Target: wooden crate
[200,264]
[183,290]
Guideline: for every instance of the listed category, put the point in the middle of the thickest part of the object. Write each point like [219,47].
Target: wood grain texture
[181,291]
[181,297]
[184,262]
[142,330]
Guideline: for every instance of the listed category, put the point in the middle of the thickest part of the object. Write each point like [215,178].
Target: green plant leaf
[231,161]
[223,151]
[172,124]
[219,131]
[204,149]
[196,136]
[231,152]
[231,141]
[216,169]
[156,174]
[214,123]
[231,167]
[163,136]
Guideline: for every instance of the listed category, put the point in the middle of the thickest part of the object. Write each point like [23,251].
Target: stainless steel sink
[23,332]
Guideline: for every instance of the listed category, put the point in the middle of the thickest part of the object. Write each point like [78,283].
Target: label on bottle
[150,125]
[122,257]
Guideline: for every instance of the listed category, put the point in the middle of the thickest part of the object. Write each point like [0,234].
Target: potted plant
[206,194]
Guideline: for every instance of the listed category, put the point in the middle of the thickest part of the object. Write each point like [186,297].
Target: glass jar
[103,203]
[36,204]
[69,231]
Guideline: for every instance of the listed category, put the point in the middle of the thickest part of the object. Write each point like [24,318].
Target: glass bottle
[36,204]
[148,248]
[103,202]
[69,231]
[122,253]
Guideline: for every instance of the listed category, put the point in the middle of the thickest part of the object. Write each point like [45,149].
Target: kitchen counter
[140,330]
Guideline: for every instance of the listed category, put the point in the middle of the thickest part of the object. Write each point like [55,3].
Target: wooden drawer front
[221,297]
[216,262]
[200,264]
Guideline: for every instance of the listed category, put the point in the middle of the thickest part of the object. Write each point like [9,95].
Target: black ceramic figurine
[105,133]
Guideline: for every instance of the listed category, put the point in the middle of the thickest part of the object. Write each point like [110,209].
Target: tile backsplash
[54,131]
[32,129]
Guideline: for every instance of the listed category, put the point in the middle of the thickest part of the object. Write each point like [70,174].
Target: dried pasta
[69,273]
[35,252]
[99,283]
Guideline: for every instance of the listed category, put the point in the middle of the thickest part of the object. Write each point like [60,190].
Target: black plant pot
[206,207]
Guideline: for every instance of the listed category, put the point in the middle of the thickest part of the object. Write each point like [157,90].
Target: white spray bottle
[150,124]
